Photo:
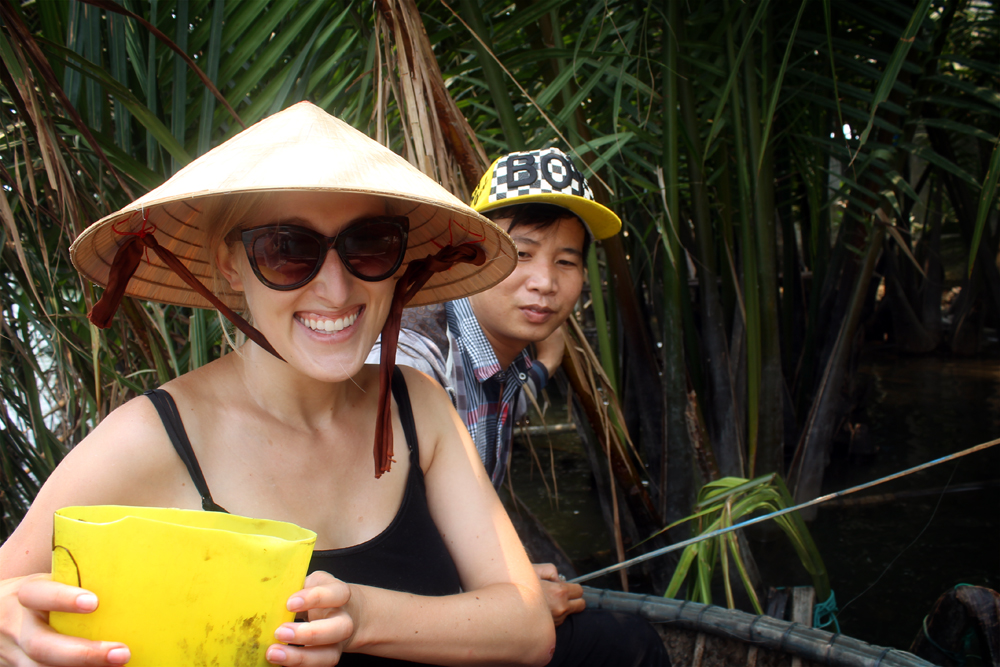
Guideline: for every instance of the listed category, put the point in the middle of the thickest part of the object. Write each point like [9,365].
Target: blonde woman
[321,235]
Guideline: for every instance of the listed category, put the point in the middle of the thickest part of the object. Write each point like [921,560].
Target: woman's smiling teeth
[327,325]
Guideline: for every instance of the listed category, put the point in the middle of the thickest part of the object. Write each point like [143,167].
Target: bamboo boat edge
[810,644]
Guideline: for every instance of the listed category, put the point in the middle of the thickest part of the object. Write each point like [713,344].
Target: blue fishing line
[825,613]
[815,501]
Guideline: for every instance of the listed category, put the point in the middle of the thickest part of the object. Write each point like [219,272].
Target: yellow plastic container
[180,587]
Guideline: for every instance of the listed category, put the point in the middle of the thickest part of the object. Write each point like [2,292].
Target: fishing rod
[749,522]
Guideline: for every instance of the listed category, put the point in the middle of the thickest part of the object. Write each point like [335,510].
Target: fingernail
[284,634]
[296,603]
[275,654]
[86,602]
[119,656]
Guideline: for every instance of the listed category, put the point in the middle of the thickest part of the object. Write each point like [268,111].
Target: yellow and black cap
[546,176]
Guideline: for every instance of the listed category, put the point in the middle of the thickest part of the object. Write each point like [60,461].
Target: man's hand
[551,350]
[563,599]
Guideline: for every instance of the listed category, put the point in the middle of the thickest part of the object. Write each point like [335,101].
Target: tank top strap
[402,396]
[172,424]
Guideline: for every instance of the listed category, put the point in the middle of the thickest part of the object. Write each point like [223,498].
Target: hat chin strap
[414,278]
[419,271]
[124,266]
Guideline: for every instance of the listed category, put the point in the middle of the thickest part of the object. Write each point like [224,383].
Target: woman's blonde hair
[223,214]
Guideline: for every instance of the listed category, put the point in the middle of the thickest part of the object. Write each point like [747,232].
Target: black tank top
[409,555]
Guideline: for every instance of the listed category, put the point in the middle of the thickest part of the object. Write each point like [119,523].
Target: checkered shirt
[489,400]
[486,396]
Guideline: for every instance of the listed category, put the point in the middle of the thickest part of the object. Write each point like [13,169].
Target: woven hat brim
[432,226]
[299,149]
[599,219]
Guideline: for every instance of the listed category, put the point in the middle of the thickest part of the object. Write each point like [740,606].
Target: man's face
[540,294]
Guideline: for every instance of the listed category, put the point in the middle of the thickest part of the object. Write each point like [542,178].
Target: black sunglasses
[286,257]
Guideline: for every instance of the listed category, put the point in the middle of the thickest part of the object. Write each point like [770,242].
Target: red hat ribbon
[416,276]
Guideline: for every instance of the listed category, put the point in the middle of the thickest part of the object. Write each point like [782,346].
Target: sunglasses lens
[372,250]
[286,257]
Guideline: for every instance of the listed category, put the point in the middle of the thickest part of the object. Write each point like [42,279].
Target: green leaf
[138,110]
[214,54]
[292,72]
[769,114]
[268,57]
[132,168]
[522,18]
[895,234]
[903,185]
[993,69]
[955,126]
[735,69]
[929,154]
[895,64]
[252,26]
[10,61]
[681,571]
[988,95]
[744,575]
[618,140]
[985,202]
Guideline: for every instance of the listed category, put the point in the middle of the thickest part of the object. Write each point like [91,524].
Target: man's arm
[550,353]
[563,598]
[548,357]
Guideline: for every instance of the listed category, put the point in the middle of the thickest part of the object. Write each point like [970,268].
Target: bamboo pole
[788,510]
[766,453]
[676,471]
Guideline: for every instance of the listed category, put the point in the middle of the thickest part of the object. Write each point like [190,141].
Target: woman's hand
[26,638]
[563,598]
[327,631]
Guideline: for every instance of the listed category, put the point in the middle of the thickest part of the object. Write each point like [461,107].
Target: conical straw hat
[300,148]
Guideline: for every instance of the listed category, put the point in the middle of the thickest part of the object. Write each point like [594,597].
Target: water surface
[888,562]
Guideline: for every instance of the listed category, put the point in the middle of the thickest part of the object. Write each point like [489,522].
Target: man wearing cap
[477,349]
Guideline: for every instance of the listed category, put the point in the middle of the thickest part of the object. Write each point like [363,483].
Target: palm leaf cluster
[103,101]
[779,167]
[726,502]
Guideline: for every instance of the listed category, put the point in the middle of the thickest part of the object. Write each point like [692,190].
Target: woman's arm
[500,618]
[126,460]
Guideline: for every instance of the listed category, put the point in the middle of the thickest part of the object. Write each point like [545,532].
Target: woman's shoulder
[425,393]
[125,460]
[130,444]
[134,423]
[434,416]
[129,453]
[206,385]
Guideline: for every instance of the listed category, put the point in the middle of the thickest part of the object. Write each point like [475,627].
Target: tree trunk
[809,462]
